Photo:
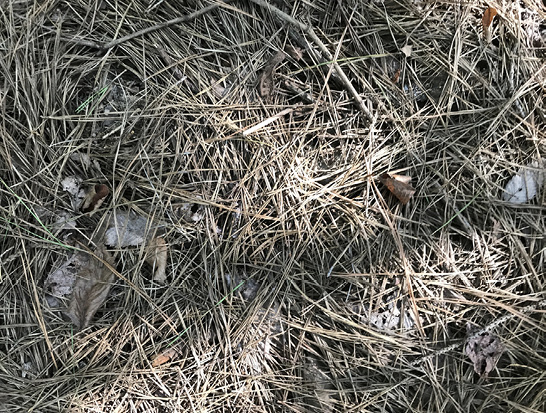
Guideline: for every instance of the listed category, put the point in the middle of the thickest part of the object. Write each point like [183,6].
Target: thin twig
[309,30]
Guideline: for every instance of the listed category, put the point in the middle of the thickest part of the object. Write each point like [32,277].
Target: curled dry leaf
[156,256]
[94,198]
[91,288]
[266,83]
[399,186]
[164,357]
[484,350]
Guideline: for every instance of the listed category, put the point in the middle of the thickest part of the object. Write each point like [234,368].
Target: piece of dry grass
[294,207]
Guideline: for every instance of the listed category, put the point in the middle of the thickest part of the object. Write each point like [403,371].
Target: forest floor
[272,205]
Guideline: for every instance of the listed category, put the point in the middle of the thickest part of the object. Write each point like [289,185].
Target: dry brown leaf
[156,256]
[94,199]
[487,19]
[484,350]
[164,357]
[91,288]
[399,186]
[266,83]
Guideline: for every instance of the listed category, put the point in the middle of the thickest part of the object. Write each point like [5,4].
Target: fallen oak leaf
[266,83]
[156,256]
[164,357]
[94,198]
[398,185]
[91,288]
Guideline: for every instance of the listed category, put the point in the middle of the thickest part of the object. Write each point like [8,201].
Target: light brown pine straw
[291,212]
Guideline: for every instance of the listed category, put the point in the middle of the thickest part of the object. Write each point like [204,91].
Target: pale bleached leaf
[91,288]
[525,185]
[127,229]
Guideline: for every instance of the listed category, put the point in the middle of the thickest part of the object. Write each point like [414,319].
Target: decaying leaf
[156,256]
[525,185]
[126,229]
[94,198]
[399,186]
[72,185]
[484,350]
[91,288]
[266,83]
[295,52]
[487,19]
[164,357]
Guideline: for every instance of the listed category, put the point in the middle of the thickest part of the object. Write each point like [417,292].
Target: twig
[182,19]
[486,329]
[309,30]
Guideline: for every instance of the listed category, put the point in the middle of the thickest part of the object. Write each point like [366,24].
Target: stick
[309,30]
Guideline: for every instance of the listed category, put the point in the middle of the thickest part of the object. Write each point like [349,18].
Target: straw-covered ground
[295,281]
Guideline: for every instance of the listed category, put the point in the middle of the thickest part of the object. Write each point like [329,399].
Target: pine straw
[294,209]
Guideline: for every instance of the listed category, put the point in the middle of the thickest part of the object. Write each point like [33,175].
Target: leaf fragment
[399,186]
[484,350]
[91,288]
[156,256]
[266,84]
[164,357]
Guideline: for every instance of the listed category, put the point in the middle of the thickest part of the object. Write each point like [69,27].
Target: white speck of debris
[407,50]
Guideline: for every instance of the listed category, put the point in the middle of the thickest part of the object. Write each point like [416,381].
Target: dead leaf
[266,83]
[126,229]
[484,350]
[164,357]
[399,186]
[91,288]
[94,198]
[156,256]
[487,19]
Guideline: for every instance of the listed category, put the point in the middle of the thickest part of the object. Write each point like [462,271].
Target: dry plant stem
[309,30]
[147,30]
[266,122]
[486,329]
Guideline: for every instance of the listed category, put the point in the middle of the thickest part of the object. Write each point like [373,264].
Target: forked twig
[309,30]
